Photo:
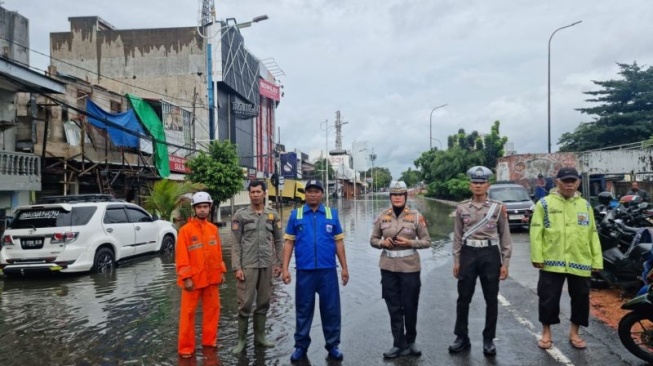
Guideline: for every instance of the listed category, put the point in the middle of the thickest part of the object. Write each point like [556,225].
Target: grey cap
[479,174]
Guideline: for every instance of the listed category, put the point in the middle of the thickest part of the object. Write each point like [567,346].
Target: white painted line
[553,351]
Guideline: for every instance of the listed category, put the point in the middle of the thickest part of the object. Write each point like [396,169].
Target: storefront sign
[269,90]
[244,110]
[178,164]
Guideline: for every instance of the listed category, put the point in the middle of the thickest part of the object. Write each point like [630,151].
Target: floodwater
[130,317]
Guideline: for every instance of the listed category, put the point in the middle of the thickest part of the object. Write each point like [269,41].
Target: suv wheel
[104,261]
[168,245]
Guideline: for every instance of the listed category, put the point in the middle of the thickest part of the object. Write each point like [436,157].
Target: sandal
[578,343]
[185,355]
[545,344]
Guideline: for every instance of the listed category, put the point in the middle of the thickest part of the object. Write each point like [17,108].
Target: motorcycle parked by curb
[636,327]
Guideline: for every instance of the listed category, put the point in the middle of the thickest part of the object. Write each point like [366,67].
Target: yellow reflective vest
[563,235]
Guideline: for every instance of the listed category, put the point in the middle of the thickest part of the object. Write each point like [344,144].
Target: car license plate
[516,217]
[32,243]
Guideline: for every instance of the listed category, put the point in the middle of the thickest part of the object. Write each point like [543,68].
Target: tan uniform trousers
[257,285]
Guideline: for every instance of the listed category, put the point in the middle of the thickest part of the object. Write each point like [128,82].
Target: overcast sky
[385,64]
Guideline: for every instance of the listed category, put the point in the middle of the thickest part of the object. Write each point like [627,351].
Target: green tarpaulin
[153,124]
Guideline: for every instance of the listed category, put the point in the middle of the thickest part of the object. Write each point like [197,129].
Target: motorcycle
[636,327]
[625,249]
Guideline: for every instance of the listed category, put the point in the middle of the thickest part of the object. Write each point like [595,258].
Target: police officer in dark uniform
[481,248]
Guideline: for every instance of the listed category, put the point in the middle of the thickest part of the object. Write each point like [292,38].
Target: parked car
[518,202]
[79,234]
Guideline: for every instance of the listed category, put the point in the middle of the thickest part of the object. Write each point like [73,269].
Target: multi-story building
[20,166]
[209,73]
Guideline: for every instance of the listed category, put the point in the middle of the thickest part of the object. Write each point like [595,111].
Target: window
[52,217]
[136,215]
[115,215]
[116,107]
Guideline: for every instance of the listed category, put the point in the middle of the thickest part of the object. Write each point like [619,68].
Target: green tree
[493,146]
[624,113]
[381,177]
[167,195]
[443,171]
[320,167]
[410,177]
[218,169]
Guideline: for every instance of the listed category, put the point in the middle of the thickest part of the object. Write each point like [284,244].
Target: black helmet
[605,198]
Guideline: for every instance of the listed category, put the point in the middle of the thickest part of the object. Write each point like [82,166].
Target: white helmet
[201,197]
[398,187]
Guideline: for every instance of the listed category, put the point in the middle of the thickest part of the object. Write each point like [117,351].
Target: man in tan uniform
[255,258]
[399,231]
[481,248]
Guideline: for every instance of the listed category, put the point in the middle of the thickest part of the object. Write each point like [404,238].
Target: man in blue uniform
[315,234]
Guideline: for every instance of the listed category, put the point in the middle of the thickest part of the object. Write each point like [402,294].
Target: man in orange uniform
[200,269]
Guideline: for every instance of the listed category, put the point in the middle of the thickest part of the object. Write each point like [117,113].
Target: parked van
[515,197]
[292,191]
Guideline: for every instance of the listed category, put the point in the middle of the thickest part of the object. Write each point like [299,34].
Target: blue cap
[479,174]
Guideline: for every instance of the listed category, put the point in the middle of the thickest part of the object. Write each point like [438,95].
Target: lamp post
[549,81]
[431,126]
[326,158]
[372,158]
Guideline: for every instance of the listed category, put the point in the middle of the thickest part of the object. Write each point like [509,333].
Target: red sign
[269,90]
[178,164]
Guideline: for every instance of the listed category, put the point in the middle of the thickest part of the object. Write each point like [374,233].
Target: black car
[518,202]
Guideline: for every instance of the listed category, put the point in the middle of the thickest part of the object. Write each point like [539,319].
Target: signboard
[178,164]
[289,165]
[269,90]
[244,110]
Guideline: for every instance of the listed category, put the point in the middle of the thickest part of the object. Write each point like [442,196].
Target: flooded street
[130,316]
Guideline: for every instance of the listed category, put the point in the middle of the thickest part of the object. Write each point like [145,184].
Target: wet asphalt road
[130,317]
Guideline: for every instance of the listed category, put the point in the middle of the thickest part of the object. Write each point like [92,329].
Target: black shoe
[414,350]
[488,347]
[395,352]
[460,344]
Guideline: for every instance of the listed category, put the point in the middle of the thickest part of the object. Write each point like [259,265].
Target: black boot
[395,352]
[460,344]
[414,350]
[488,347]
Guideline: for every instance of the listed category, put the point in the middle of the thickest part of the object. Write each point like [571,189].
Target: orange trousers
[210,297]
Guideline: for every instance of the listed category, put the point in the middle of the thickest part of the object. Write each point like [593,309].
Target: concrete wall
[163,63]
[524,168]
[15,28]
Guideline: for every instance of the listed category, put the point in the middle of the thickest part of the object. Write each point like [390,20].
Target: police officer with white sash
[481,248]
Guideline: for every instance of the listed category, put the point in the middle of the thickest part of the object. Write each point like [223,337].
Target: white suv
[81,233]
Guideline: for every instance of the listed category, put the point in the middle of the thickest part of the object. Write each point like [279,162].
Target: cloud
[386,64]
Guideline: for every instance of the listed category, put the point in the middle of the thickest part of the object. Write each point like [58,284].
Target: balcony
[19,172]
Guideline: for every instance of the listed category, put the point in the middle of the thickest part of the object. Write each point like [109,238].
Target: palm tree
[166,196]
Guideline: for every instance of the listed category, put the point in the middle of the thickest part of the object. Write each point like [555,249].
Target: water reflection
[130,316]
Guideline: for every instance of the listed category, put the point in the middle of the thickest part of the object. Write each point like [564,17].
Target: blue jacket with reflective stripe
[315,234]
[563,235]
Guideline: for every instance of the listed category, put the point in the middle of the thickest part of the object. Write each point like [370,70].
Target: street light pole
[326,159]
[431,126]
[549,82]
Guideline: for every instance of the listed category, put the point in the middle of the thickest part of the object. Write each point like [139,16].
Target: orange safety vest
[198,254]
